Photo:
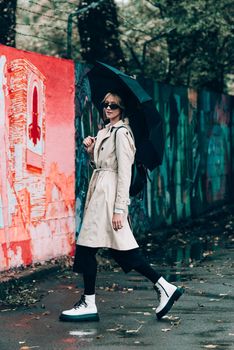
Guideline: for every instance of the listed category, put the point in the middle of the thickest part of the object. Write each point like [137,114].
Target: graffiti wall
[196,172]
[37,152]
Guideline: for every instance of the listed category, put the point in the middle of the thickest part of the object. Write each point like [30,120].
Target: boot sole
[175,296]
[82,318]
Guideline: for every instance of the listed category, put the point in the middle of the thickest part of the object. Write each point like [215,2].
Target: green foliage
[143,39]
[7,22]
[194,45]
[42,27]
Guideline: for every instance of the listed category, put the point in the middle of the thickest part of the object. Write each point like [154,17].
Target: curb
[27,276]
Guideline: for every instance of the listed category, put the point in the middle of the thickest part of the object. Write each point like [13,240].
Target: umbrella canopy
[145,121]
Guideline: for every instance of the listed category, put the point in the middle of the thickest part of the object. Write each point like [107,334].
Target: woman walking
[105,222]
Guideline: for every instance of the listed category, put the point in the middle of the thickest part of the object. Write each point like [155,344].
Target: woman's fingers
[117,222]
[88,141]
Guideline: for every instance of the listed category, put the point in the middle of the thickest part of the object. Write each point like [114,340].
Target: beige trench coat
[109,189]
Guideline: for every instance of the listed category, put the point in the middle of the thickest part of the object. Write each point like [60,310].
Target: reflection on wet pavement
[186,254]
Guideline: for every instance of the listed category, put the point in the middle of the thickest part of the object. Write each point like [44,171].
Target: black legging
[86,263]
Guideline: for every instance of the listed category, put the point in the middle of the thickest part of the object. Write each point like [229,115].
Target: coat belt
[105,169]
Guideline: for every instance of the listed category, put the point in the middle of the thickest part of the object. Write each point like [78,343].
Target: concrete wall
[37,149]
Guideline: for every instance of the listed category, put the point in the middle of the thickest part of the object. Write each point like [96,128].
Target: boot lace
[80,303]
[158,291]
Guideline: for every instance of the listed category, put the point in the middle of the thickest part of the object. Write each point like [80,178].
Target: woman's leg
[88,267]
[85,309]
[146,270]
[89,282]
[134,260]
[167,292]
[85,263]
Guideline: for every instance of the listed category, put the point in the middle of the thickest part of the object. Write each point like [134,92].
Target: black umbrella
[145,121]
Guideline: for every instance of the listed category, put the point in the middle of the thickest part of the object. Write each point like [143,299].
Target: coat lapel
[105,134]
[102,135]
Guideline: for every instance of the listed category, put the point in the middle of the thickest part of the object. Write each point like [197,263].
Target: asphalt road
[201,319]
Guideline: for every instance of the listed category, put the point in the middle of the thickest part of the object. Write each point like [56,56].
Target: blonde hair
[119,101]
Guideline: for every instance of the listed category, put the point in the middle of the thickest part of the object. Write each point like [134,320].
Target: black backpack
[139,174]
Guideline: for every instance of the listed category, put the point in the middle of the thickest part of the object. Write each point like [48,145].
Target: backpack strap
[139,172]
[135,162]
[124,128]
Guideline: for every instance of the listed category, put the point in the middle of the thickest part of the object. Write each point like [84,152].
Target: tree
[99,32]
[42,26]
[7,22]
[199,50]
[142,37]
[177,42]
[181,42]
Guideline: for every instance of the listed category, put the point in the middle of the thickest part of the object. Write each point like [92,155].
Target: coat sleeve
[125,152]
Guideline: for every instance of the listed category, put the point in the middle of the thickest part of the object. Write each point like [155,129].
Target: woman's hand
[89,143]
[117,221]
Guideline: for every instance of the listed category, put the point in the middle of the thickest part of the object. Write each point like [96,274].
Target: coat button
[102,148]
[127,132]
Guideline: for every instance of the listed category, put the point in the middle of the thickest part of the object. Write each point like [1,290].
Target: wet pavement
[195,257]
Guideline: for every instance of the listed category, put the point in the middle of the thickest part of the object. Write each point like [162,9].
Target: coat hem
[108,246]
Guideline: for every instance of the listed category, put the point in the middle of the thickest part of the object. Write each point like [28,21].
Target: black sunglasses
[111,105]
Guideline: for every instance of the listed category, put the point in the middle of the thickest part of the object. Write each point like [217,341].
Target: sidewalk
[201,319]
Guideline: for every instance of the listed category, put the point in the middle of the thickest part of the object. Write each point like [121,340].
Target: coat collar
[121,122]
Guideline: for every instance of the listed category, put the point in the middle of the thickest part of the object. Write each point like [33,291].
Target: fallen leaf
[5,310]
[210,346]
[46,313]
[134,330]
[36,317]
[166,329]
[99,336]
[175,323]
[201,305]
[171,318]
[115,329]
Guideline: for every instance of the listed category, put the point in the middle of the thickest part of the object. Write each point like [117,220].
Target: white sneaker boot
[84,310]
[168,294]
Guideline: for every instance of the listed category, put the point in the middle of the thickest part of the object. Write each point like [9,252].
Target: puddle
[177,254]
[217,346]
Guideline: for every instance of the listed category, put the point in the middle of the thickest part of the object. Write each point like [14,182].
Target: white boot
[168,294]
[84,310]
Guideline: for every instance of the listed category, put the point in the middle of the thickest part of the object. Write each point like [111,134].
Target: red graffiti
[34,129]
